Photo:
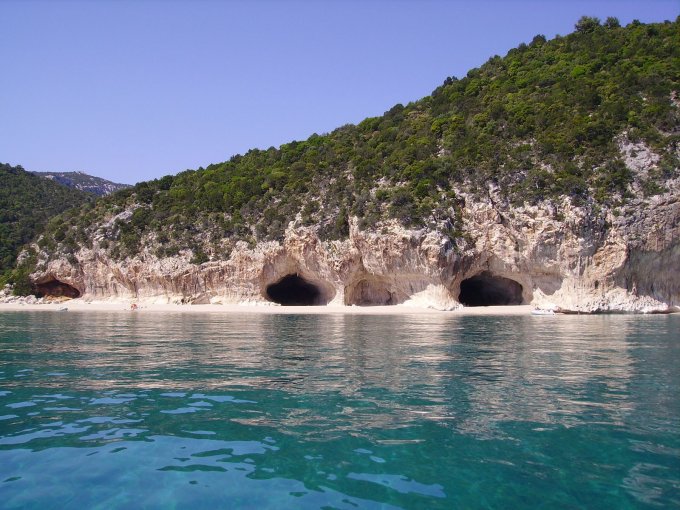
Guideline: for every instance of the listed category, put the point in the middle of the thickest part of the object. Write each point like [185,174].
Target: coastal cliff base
[555,256]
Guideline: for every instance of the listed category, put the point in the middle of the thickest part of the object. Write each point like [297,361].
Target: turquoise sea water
[144,410]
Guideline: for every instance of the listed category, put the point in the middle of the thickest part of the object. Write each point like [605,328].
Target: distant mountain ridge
[84,182]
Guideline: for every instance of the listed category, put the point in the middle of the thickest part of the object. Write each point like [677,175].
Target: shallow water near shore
[123,410]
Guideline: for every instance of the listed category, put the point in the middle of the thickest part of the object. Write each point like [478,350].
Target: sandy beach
[77,305]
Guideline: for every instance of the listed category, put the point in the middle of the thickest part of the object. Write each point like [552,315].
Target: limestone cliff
[550,255]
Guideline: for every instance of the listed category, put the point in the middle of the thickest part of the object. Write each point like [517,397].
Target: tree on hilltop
[612,22]
[587,24]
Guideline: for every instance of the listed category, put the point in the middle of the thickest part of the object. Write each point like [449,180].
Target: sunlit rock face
[517,256]
[553,254]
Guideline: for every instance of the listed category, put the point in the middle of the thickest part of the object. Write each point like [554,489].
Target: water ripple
[338,411]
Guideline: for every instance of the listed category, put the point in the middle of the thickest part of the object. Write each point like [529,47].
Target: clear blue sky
[133,90]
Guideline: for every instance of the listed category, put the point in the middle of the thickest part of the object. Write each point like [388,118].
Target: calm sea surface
[125,410]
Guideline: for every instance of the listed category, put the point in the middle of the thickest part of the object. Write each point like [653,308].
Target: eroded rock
[550,255]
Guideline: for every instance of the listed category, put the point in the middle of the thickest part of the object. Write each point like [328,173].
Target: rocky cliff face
[550,255]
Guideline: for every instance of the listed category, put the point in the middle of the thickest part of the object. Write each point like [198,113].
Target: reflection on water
[396,410]
[496,369]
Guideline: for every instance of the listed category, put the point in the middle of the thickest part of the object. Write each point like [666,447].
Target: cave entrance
[292,290]
[371,292]
[55,288]
[486,289]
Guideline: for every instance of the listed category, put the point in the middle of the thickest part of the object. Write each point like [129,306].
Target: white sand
[77,305]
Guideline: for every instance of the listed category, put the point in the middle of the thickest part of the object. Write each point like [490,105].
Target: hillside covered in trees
[545,121]
[27,202]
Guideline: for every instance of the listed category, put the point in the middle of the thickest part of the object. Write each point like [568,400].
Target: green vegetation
[540,123]
[27,202]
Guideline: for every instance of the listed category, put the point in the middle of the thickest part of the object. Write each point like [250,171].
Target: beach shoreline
[77,305]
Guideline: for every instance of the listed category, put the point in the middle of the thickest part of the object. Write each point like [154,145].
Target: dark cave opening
[485,289]
[293,290]
[55,288]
